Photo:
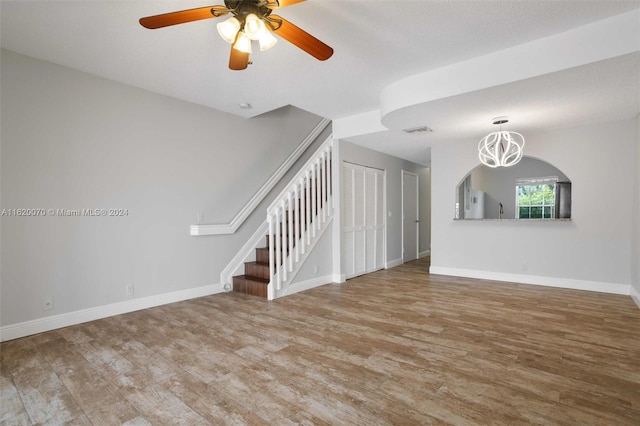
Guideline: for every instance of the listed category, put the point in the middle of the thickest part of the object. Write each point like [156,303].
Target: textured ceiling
[376,43]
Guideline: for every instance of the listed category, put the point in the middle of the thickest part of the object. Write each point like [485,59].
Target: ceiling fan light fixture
[253,26]
[248,21]
[229,29]
[243,43]
[267,40]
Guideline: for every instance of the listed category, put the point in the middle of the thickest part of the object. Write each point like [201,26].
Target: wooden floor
[394,347]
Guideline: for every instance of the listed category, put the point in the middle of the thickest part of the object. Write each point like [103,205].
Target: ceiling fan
[251,20]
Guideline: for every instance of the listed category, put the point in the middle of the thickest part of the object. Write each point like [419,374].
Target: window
[536,197]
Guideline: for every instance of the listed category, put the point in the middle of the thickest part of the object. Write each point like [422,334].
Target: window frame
[546,180]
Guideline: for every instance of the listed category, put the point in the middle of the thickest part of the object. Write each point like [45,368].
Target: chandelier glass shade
[501,148]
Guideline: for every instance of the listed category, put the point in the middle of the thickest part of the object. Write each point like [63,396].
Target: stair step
[251,285]
[262,255]
[256,270]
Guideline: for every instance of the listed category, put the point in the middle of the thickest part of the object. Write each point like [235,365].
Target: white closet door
[379,217]
[348,221]
[363,220]
[359,211]
[370,220]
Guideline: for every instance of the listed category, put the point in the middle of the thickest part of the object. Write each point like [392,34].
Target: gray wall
[360,155]
[71,140]
[425,209]
[594,246]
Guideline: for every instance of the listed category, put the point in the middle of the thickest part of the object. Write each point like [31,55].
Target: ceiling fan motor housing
[242,8]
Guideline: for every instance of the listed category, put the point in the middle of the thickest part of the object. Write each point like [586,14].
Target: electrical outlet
[200,217]
[525,267]
[47,303]
[130,289]
[315,269]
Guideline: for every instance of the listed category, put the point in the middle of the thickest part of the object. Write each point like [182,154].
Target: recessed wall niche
[532,189]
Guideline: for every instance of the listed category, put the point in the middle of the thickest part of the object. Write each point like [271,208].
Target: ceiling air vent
[420,129]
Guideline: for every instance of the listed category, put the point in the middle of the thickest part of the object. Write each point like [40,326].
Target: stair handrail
[250,206]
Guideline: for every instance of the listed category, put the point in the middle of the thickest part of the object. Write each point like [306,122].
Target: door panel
[410,216]
[363,220]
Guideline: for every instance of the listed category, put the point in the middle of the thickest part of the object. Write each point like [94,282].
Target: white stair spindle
[296,224]
[296,220]
[303,217]
[277,248]
[313,184]
[290,232]
[307,195]
[318,186]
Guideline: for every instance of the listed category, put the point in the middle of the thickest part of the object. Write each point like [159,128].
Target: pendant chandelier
[501,148]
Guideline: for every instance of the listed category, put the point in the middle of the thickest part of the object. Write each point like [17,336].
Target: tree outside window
[535,198]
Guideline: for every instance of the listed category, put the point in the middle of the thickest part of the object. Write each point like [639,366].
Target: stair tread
[251,278]
[255,262]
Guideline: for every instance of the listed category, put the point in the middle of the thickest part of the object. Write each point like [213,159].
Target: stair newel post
[284,237]
[307,196]
[272,258]
[333,203]
[324,186]
[278,246]
[318,185]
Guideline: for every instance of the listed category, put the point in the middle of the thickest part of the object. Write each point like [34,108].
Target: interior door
[410,216]
[363,219]
[374,220]
[352,219]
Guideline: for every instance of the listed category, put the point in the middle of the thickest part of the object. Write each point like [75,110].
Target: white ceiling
[376,43]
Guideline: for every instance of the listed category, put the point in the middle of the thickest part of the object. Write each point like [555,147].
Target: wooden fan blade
[302,39]
[238,60]
[279,4]
[183,16]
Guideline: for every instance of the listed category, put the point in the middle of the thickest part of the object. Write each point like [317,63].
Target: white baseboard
[635,295]
[424,254]
[40,325]
[305,285]
[393,263]
[602,287]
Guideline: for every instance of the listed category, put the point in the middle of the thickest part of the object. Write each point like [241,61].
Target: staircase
[255,280]
[296,220]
